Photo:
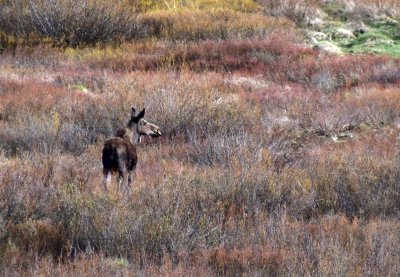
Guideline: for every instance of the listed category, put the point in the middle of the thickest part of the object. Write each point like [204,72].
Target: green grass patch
[380,39]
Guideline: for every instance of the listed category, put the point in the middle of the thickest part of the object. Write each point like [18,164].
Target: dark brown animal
[119,153]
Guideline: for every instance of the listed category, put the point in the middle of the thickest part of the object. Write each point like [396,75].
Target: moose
[119,152]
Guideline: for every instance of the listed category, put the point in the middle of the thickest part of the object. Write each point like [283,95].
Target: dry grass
[216,24]
[299,12]
[68,24]
[275,159]
[234,186]
[371,9]
[236,5]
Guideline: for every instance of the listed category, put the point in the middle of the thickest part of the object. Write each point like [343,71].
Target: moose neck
[135,136]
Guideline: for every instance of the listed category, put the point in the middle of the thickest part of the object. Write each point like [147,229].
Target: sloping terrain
[279,153]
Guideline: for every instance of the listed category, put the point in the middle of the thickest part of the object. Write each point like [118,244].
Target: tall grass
[299,12]
[276,159]
[235,222]
[187,24]
[236,5]
[69,23]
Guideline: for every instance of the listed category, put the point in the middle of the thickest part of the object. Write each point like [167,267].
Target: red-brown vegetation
[276,159]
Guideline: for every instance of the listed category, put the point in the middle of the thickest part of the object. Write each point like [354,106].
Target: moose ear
[141,114]
[133,112]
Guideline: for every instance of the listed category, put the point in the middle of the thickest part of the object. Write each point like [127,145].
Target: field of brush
[280,146]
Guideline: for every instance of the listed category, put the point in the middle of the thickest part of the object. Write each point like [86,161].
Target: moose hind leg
[120,179]
[129,183]
[131,177]
[107,179]
[124,173]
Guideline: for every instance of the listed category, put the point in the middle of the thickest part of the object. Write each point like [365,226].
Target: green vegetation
[381,38]
[367,27]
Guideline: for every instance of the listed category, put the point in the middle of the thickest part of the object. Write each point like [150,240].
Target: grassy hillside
[369,27]
[279,154]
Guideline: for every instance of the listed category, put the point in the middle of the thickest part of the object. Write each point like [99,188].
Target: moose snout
[156,133]
[152,130]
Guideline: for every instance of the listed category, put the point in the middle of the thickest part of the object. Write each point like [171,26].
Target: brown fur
[119,153]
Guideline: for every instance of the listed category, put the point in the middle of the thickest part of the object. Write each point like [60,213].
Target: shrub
[56,123]
[252,55]
[242,182]
[360,180]
[372,10]
[297,11]
[222,149]
[82,23]
[13,19]
[215,24]
[69,23]
[278,59]
[227,220]
[236,5]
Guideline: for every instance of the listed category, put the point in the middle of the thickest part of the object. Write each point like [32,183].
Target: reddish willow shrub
[278,58]
[37,116]
[254,55]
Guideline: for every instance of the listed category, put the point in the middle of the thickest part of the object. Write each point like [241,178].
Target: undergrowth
[275,158]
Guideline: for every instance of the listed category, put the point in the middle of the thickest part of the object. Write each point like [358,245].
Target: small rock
[315,22]
[343,135]
[384,19]
[317,35]
[364,126]
[343,33]
[327,47]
